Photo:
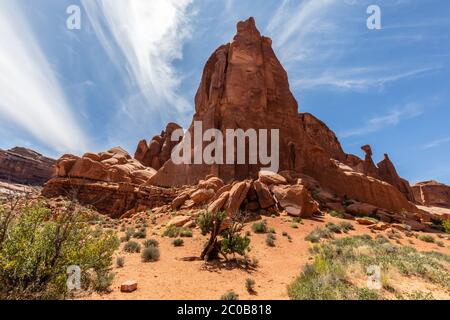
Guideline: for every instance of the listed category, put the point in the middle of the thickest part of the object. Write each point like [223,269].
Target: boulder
[271,178]
[202,195]
[365,221]
[265,198]
[179,221]
[218,204]
[179,201]
[237,195]
[128,286]
[296,200]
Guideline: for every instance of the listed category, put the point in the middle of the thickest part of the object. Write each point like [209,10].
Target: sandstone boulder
[238,193]
[218,204]
[271,178]
[265,198]
[362,209]
[179,221]
[296,200]
[202,195]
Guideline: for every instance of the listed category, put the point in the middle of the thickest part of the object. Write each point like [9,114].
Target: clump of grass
[319,233]
[426,238]
[132,247]
[329,278]
[178,242]
[297,220]
[260,227]
[440,244]
[346,226]
[333,227]
[150,254]
[174,231]
[230,295]
[250,285]
[140,234]
[294,226]
[272,230]
[446,225]
[270,240]
[120,262]
[151,242]
[336,214]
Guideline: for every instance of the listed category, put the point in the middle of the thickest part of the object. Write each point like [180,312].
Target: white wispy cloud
[437,143]
[143,38]
[30,94]
[359,78]
[392,118]
[298,29]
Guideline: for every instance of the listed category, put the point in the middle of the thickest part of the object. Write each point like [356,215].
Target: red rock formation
[158,151]
[245,86]
[24,166]
[432,193]
[388,173]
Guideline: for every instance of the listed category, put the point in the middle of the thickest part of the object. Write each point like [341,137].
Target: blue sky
[136,65]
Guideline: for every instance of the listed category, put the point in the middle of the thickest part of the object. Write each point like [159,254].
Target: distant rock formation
[432,193]
[25,166]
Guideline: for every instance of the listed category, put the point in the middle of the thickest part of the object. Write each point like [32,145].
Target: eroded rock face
[24,166]
[432,193]
[158,151]
[388,173]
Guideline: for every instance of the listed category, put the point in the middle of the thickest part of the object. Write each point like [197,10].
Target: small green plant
[140,234]
[151,242]
[178,242]
[426,238]
[230,295]
[333,227]
[185,233]
[297,220]
[250,285]
[132,247]
[150,254]
[206,221]
[233,242]
[270,240]
[336,214]
[446,225]
[319,233]
[440,244]
[174,231]
[120,262]
[346,226]
[272,230]
[260,227]
[294,226]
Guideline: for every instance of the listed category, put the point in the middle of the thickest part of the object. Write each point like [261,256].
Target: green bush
[151,242]
[346,226]
[205,221]
[426,238]
[230,295]
[120,262]
[446,225]
[270,240]
[178,242]
[234,243]
[37,247]
[250,285]
[150,254]
[333,227]
[319,233]
[132,247]
[260,227]
[174,231]
[336,214]
[140,234]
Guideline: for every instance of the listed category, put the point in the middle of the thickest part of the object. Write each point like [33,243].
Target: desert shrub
[294,226]
[151,242]
[140,234]
[132,247]
[120,262]
[346,226]
[260,227]
[233,242]
[333,227]
[272,230]
[178,242]
[336,214]
[37,247]
[206,221]
[129,233]
[328,277]
[228,241]
[440,243]
[426,238]
[297,220]
[446,225]
[319,233]
[270,240]
[150,254]
[250,285]
[103,281]
[230,295]
[285,234]
[174,231]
